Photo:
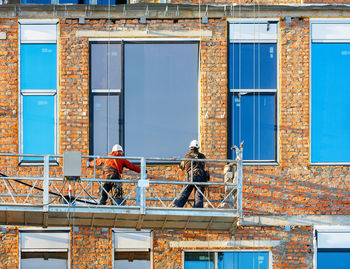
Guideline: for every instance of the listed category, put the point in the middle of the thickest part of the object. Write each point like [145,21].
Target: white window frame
[120,230]
[151,40]
[33,92]
[216,251]
[46,230]
[321,37]
[249,38]
[319,229]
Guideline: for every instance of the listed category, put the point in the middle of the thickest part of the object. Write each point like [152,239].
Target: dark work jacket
[198,167]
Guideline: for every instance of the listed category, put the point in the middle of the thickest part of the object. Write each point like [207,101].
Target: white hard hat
[117,147]
[194,144]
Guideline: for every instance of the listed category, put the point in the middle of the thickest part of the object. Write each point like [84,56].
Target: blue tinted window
[38,125]
[254,122]
[333,259]
[69,2]
[38,66]
[253,66]
[199,260]
[35,1]
[330,105]
[243,260]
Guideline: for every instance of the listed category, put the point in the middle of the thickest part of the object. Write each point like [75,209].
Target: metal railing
[158,185]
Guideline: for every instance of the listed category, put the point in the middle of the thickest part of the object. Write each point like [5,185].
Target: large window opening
[330,92]
[147,99]
[253,91]
[38,87]
[44,249]
[132,249]
[333,248]
[227,260]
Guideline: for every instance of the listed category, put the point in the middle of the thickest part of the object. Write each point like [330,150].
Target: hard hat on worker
[194,144]
[117,147]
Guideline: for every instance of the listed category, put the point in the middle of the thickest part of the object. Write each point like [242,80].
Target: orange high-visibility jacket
[117,164]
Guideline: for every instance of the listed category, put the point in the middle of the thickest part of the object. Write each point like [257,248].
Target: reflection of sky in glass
[38,32]
[36,263]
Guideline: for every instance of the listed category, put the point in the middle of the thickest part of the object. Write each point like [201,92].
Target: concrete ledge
[149,34]
[225,244]
[302,220]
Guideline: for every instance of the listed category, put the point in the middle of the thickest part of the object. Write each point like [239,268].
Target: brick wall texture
[292,187]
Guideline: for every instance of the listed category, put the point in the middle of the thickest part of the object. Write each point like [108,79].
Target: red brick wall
[91,248]
[9,249]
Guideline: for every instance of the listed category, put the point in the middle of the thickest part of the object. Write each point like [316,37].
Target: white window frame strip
[47,92]
[227,250]
[46,230]
[315,21]
[120,230]
[276,40]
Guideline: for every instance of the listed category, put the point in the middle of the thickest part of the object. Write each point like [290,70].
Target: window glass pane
[69,2]
[330,107]
[199,260]
[254,117]
[161,98]
[132,260]
[40,32]
[105,122]
[333,259]
[38,125]
[243,260]
[101,62]
[38,66]
[36,263]
[255,66]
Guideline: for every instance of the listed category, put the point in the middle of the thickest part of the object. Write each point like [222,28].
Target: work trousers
[198,197]
[108,186]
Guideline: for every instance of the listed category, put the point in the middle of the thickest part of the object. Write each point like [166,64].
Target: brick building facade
[292,203]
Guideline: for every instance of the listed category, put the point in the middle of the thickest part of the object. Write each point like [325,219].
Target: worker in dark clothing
[112,169]
[198,176]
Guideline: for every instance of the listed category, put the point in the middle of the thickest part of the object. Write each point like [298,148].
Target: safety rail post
[141,187]
[240,180]
[46,183]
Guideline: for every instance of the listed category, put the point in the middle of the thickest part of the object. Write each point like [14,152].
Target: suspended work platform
[50,200]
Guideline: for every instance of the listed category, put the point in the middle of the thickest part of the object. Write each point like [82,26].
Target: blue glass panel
[254,122]
[199,260]
[38,66]
[330,108]
[161,98]
[333,259]
[243,260]
[106,2]
[252,66]
[38,125]
[35,1]
[69,2]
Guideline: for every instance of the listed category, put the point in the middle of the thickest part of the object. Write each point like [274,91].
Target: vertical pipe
[46,183]
[141,187]
[240,182]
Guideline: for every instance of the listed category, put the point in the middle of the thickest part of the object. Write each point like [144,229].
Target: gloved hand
[88,164]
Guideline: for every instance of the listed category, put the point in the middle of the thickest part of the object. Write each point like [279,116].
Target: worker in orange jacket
[112,169]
